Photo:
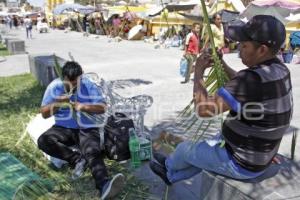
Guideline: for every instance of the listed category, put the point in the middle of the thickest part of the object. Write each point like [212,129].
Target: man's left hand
[203,62]
[78,106]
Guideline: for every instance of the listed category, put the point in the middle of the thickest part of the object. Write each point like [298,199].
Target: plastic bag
[183,66]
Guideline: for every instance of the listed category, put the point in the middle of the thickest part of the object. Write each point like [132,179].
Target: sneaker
[161,171]
[113,186]
[160,158]
[79,169]
[183,82]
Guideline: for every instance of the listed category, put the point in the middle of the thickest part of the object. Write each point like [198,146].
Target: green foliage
[3,50]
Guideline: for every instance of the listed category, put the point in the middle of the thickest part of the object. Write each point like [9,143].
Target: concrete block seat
[42,67]
[7,38]
[280,181]
[16,46]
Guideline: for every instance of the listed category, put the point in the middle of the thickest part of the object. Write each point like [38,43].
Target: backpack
[295,39]
[116,137]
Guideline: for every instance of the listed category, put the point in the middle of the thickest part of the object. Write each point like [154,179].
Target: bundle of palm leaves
[216,78]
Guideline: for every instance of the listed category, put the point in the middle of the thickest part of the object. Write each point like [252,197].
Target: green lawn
[20,97]
[3,50]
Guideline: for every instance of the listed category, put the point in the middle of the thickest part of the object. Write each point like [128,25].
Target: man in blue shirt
[74,102]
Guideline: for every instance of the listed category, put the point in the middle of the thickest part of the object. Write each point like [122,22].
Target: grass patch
[20,98]
[3,50]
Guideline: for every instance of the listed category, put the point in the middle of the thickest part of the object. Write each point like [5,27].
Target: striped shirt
[263,95]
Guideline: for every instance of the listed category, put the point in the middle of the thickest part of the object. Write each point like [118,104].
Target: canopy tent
[130,16]
[158,23]
[132,11]
[60,9]
[226,15]
[121,3]
[219,5]
[280,9]
[294,17]
[172,7]
[192,17]
[127,8]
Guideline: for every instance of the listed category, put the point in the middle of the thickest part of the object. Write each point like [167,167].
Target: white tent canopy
[294,17]
[280,9]
[237,4]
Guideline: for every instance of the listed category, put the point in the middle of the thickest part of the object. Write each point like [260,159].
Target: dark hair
[195,24]
[215,16]
[71,70]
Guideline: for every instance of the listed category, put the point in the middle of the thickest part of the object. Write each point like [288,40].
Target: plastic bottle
[134,147]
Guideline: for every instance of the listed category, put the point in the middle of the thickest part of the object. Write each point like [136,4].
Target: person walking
[28,26]
[191,49]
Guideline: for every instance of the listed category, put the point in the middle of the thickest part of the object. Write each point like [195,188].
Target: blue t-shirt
[87,93]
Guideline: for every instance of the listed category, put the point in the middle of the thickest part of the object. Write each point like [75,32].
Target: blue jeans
[28,32]
[191,158]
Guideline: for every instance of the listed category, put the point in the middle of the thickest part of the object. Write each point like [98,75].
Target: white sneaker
[113,186]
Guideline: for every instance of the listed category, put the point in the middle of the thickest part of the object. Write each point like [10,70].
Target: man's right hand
[63,99]
[203,61]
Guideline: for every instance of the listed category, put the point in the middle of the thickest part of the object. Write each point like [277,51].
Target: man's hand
[203,62]
[63,99]
[77,106]
[90,108]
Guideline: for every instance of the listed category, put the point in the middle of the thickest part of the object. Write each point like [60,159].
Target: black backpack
[116,137]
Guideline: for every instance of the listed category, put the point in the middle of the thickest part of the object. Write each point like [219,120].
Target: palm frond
[183,112]
[216,78]
[57,67]
[294,141]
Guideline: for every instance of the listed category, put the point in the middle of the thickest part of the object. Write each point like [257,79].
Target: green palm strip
[216,76]
[58,71]
[293,146]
